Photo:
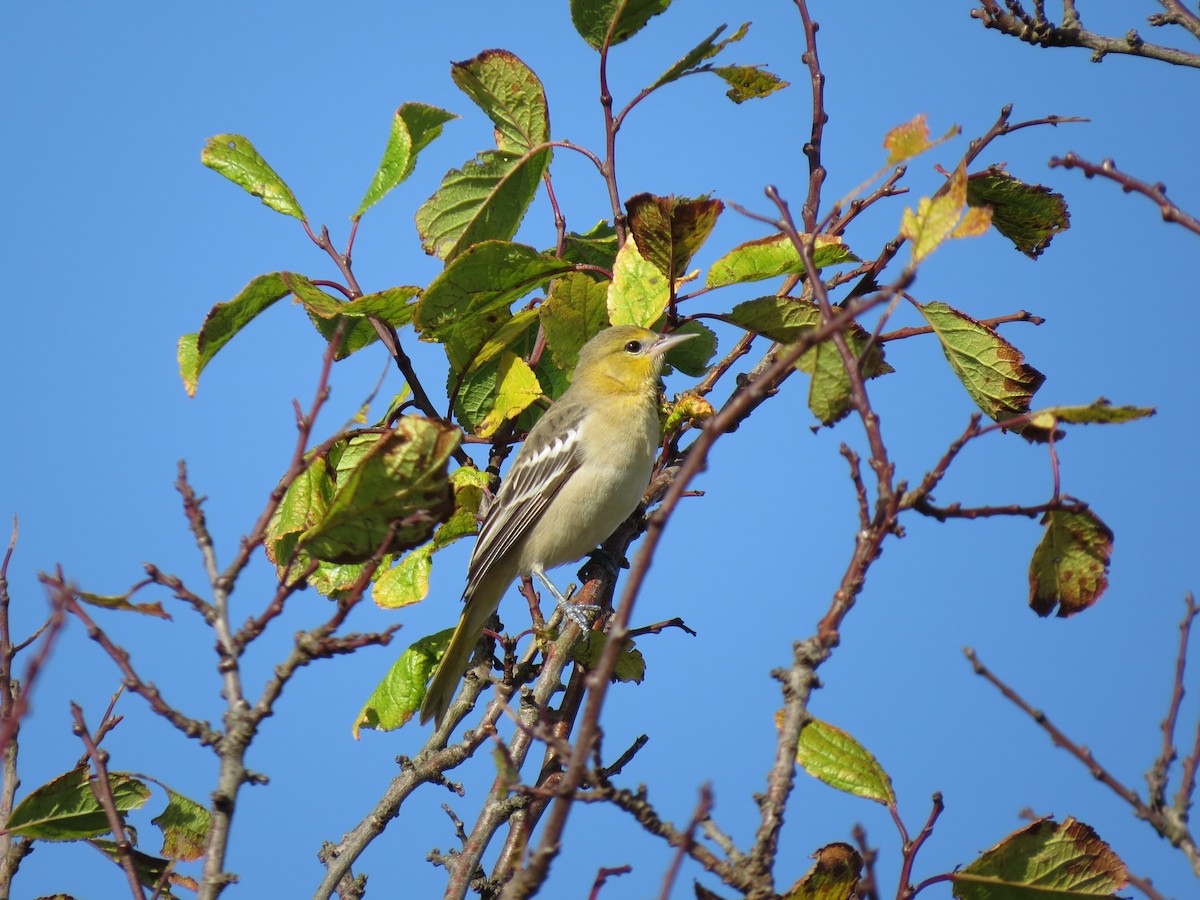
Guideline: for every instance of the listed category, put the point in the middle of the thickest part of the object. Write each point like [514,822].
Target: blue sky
[117,241]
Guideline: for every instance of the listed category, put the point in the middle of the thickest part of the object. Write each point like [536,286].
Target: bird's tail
[475,614]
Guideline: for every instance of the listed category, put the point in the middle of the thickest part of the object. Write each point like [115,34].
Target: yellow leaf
[516,388]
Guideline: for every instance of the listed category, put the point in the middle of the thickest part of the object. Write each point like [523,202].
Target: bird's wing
[532,482]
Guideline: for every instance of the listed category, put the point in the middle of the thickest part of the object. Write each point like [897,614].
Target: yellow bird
[581,472]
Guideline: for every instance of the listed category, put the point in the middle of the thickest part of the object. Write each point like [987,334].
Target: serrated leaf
[693,357]
[485,200]
[328,313]
[834,875]
[609,22]
[669,230]
[516,335]
[399,486]
[360,333]
[749,82]
[992,370]
[122,602]
[639,292]
[631,665]
[574,312]
[772,257]
[304,504]
[65,809]
[781,319]
[495,392]
[414,127]
[1029,215]
[224,321]
[706,49]
[510,94]
[1065,861]
[407,582]
[1069,568]
[1102,412]
[596,247]
[936,217]
[399,695]
[912,139]
[234,157]
[474,293]
[830,388]
[185,825]
[836,758]
[516,388]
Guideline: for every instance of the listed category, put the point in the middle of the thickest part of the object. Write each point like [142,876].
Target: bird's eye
[633,347]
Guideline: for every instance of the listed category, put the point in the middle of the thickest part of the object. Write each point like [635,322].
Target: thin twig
[104,797]
[1155,192]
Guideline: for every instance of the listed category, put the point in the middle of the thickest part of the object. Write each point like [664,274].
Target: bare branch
[1156,192]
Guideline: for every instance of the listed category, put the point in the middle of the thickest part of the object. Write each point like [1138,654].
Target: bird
[580,473]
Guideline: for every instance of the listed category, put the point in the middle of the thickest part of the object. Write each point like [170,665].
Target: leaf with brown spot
[669,230]
[1029,215]
[1066,861]
[992,370]
[834,876]
[1069,568]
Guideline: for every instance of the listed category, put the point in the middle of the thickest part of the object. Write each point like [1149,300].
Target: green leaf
[1101,412]
[830,389]
[484,200]
[471,298]
[1065,861]
[669,230]
[516,388]
[224,321]
[834,757]
[630,667]
[597,247]
[304,504]
[414,127]
[749,82]
[185,825]
[575,311]
[235,157]
[786,320]
[992,370]
[773,256]
[122,602]
[65,809]
[494,393]
[1029,215]
[1069,568]
[692,357]
[511,95]
[516,335]
[401,691]
[834,876]
[609,22]
[399,484]
[639,292]
[407,582]
[327,312]
[706,49]
[149,869]
[781,319]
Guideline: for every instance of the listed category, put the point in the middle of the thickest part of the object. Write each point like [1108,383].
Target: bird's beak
[667,341]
